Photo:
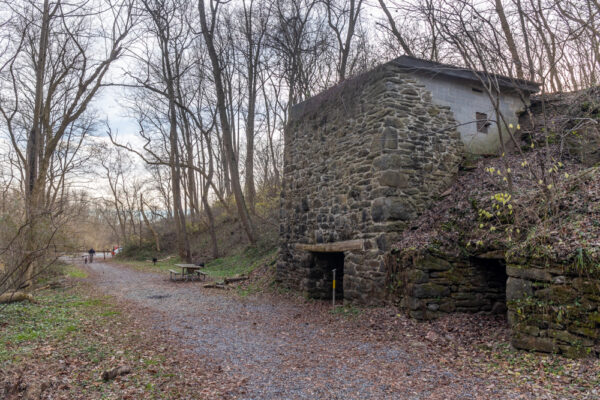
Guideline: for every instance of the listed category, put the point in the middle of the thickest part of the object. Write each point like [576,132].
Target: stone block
[561,294]
[451,276]
[388,161]
[380,209]
[411,303]
[534,274]
[393,179]
[390,138]
[417,276]
[592,333]
[447,306]
[559,280]
[474,303]
[586,286]
[528,330]
[569,338]
[517,289]
[430,290]
[576,351]
[526,342]
[401,209]
[431,263]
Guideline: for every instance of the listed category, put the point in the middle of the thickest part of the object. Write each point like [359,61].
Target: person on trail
[92,252]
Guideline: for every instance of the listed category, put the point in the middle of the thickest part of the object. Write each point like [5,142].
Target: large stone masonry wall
[360,161]
[553,308]
[432,285]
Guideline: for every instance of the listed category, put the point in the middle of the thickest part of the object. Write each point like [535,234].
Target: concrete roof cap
[413,64]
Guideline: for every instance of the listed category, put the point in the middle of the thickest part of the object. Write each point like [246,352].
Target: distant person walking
[92,252]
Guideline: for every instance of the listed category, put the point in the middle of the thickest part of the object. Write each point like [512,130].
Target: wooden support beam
[335,247]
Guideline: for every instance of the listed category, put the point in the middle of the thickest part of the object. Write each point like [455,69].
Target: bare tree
[208,32]
[343,19]
[394,29]
[51,72]
[254,29]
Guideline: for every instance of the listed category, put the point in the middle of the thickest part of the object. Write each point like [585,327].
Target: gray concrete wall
[465,102]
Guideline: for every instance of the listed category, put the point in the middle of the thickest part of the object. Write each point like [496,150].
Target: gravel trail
[281,349]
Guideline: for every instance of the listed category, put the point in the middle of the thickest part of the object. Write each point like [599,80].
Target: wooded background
[210,85]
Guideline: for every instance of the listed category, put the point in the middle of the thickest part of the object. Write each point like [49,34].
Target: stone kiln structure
[367,156]
[361,159]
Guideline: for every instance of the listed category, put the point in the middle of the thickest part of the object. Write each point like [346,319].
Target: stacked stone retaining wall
[430,285]
[553,308]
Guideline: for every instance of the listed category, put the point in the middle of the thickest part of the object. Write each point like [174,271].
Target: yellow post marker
[333,291]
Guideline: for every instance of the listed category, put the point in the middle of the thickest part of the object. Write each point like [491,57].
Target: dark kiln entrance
[320,276]
[491,274]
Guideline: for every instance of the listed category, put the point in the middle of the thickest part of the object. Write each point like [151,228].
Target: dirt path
[289,350]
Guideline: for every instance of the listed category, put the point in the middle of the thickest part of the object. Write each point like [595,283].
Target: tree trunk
[183,244]
[249,181]
[154,234]
[32,191]
[394,29]
[225,127]
[13,297]
[510,41]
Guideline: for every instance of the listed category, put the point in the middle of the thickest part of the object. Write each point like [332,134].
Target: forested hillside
[160,131]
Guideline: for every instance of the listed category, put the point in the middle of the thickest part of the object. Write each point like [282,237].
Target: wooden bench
[201,275]
[173,273]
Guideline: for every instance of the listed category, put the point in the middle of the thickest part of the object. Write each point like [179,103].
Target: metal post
[334,288]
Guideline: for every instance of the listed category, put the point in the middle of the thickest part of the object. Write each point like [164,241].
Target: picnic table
[188,272]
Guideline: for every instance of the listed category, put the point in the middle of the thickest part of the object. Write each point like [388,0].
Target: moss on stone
[560,294]
[430,290]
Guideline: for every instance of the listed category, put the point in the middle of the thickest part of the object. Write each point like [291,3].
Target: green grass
[56,316]
[58,269]
[74,272]
[69,334]
[239,264]
[161,266]
[242,262]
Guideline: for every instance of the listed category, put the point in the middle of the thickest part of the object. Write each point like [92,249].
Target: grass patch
[57,316]
[239,264]
[242,262]
[70,336]
[73,271]
[60,270]
[147,265]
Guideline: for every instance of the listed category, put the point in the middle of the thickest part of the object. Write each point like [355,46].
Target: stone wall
[360,160]
[430,285]
[553,309]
